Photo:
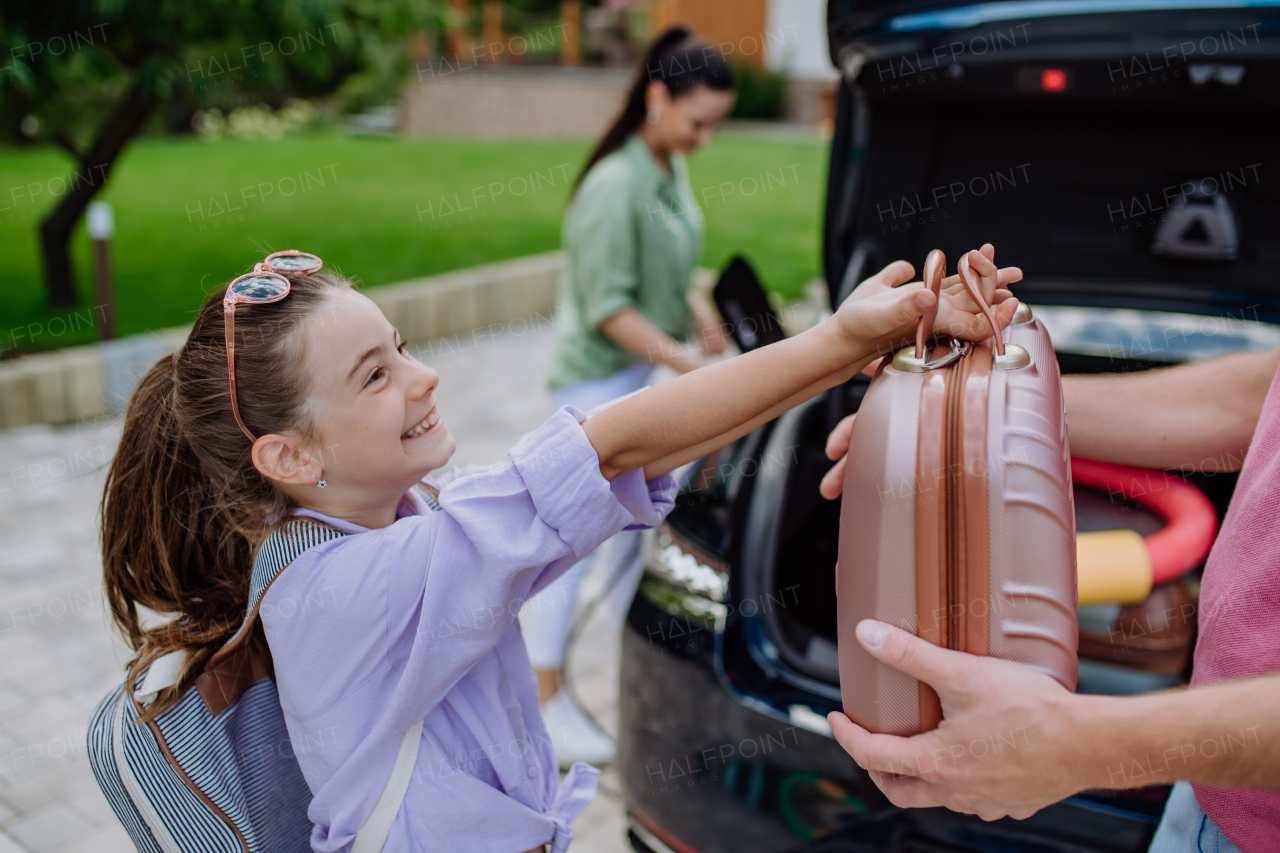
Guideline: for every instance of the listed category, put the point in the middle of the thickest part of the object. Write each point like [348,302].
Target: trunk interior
[1090,193]
[1073,186]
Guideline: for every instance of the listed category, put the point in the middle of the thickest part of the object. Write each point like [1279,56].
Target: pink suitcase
[957,521]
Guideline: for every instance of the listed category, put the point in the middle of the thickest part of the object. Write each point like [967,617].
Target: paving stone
[90,804]
[47,828]
[8,845]
[109,838]
[45,784]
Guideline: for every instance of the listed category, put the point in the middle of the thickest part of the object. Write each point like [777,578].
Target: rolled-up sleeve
[459,576]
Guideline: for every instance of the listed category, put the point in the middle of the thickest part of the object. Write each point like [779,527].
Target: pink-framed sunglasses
[261,287]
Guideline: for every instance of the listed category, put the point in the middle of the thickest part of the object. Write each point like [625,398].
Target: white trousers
[547,618]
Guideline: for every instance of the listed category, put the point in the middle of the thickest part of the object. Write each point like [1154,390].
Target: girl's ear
[282,459]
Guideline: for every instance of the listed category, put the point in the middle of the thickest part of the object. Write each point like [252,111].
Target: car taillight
[1053,80]
[680,564]
[686,582]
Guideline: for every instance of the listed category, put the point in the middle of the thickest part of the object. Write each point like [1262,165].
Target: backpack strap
[242,661]
[245,659]
[372,835]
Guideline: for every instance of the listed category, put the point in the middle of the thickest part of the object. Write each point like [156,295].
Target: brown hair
[183,509]
[682,61]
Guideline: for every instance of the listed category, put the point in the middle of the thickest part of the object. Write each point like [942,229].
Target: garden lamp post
[101,225]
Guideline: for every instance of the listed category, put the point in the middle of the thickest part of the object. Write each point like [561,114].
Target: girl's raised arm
[681,420]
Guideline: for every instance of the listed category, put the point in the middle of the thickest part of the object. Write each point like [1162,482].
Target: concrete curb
[86,382]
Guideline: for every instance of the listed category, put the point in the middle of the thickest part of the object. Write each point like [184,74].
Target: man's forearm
[1226,733]
[1198,416]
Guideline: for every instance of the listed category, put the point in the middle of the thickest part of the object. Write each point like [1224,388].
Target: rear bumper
[703,771]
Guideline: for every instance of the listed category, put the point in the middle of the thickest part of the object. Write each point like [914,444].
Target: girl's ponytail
[160,537]
[183,509]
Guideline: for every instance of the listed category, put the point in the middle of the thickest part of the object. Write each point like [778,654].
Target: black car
[1121,153]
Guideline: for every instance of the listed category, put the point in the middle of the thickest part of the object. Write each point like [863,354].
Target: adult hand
[838,449]
[1008,744]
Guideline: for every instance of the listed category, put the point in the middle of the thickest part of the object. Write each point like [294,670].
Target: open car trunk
[1112,183]
[1120,159]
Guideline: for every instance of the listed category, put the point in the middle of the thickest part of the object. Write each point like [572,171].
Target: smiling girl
[293,396]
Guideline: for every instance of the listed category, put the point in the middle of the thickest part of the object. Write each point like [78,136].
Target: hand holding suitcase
[957,521]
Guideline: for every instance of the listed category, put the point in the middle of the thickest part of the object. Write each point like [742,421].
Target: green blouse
[632,235]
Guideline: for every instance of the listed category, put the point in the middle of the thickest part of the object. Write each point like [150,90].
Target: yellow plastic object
[1112,566]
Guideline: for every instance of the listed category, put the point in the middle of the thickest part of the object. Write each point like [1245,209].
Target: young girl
[295,396]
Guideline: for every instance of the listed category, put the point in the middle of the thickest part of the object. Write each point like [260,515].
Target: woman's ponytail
[183,508]
[681,61]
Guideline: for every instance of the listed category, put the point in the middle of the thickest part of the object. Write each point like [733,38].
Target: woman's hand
[708,330]
[711,339]
[1007,744]
[883,310]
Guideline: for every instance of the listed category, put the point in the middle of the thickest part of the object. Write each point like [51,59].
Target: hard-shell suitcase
[957,521]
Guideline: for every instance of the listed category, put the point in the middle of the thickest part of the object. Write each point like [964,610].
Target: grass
[192,214]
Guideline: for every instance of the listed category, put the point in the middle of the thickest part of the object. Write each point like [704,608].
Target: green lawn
[192,214]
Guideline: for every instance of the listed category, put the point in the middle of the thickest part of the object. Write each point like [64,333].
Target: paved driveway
[59,654]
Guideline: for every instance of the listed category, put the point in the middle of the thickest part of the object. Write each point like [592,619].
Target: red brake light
[1053,80]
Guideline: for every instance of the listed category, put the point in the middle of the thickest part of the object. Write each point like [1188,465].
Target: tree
[90,75]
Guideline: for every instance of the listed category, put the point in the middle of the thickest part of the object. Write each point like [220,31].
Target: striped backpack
[216,773]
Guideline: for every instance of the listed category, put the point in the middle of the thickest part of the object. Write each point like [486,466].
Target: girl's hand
[994,289]
[883,310]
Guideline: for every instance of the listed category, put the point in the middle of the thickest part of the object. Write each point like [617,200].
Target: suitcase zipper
[951,457]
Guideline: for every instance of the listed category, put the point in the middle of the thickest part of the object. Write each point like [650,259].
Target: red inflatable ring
[1190,520]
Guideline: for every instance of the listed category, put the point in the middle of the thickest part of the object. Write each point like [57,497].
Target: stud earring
[653,117]
[319,482]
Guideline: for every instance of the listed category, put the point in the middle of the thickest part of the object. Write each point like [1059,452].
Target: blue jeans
[1185,828]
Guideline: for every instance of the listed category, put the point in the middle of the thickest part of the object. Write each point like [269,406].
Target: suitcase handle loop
[974,286]
[1007,357]
[935,267]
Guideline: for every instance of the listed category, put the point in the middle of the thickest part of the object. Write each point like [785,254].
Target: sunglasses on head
[260,287]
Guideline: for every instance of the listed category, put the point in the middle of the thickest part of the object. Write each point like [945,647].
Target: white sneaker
[573,735]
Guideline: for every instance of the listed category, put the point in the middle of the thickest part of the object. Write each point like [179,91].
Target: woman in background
[633,234]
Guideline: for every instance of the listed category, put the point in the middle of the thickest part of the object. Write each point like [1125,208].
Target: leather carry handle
[935,267]
[974,286]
